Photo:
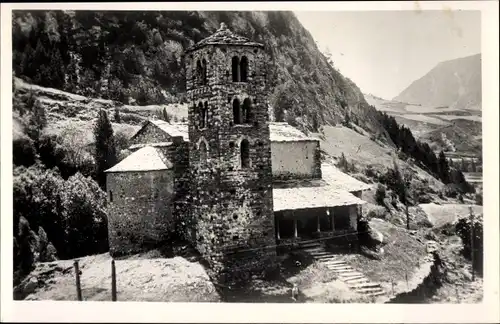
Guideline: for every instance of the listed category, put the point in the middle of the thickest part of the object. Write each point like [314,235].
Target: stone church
[233,184]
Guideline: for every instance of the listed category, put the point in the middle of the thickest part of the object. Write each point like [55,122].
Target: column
[332,219]
[295,228]
[278,228]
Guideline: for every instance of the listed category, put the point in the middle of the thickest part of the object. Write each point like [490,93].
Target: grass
[401,256]
[156,279]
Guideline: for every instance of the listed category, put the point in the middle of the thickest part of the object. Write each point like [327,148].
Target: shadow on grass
[273,289]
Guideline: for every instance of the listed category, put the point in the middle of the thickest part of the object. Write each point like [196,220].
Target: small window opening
[110,196]
[201,118]
[204,72]
[235,217]
[244,69]
[236,112]
[203,153]
[235,62]
[245,154]
[247,111]
[235,237]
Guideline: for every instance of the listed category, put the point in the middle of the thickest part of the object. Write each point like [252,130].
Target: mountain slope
[136,58]
[455,84]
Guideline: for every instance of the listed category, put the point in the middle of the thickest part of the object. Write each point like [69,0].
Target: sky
[383,52]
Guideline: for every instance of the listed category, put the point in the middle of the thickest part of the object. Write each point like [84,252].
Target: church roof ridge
[224,36]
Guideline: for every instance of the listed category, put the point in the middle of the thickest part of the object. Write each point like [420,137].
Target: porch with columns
[315,223]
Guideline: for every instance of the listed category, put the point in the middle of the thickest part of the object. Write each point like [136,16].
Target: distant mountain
[455,84]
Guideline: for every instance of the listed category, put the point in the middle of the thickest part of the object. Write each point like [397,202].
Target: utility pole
[472,240]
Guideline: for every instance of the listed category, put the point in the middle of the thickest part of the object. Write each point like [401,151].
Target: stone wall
[232,210]
[296,160]
[139,210]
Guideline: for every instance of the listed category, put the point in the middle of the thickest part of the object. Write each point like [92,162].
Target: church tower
[230,154]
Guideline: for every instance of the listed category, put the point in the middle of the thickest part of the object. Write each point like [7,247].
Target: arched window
[203,152]
[236,111]
[204,71]
[236,68]
[204,115]
[244,69]
[245,154]
[247,111]
[201,118]
[199,72]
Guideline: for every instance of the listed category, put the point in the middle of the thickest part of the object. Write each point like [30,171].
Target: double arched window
[202,111]
[201,72]
[239,69]
[242,114]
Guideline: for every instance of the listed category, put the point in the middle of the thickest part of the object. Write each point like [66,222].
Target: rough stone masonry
[230,155]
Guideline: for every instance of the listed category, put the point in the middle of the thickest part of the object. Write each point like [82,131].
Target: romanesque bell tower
[230,154]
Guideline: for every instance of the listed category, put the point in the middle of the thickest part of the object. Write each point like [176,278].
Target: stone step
[310,245]
[356,280]
[333,261]
[374,294]
[320,254]
[368,290]
[326,257]
[351,274]
[367,284]
[344,267]
[344,271]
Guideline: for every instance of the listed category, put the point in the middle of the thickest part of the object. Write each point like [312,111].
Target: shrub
[23,151]
[380,194]
[71,212]
[479,199]
[463,229]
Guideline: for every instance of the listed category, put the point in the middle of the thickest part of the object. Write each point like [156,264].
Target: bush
[463,229]
[479,199]
[23,151]
[380,194]
[71,212]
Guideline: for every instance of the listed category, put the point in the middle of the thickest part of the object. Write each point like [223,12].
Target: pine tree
[105,150]
[25,240]
[117,115]
[444,168]
[37,122]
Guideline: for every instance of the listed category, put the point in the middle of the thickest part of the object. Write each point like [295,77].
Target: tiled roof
[283,132]
[158,144]
[340,180]
[145,159]
[173,129]
[312,197]
[280,132]
[223,36]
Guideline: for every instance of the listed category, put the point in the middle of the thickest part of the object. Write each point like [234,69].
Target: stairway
[354,279]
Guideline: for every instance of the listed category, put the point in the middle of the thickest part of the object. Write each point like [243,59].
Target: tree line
[422,153]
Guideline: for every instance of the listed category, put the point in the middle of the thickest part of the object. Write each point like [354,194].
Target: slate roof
[172,129]
[223,36]
[312,197]
[279,132]
[340,180]
[283,132]
[145,159]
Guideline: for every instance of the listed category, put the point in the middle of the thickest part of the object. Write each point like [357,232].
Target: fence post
[113,281]
[78,287]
